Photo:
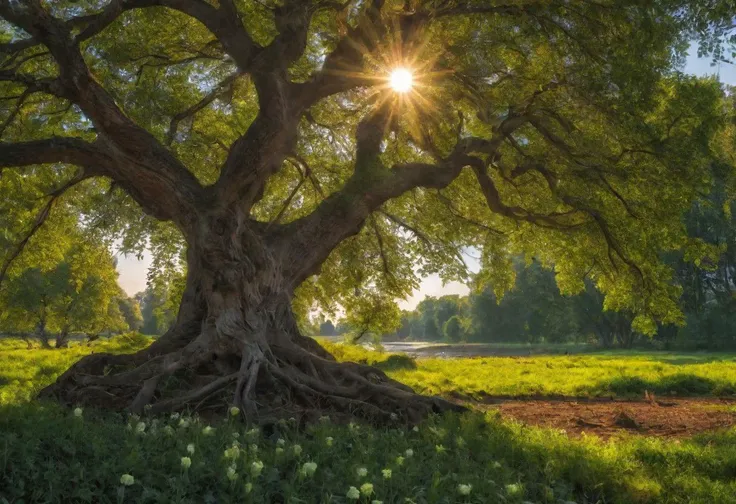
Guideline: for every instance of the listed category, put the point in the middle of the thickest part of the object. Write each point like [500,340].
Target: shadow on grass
[44,449]
[396,362]
[678,384]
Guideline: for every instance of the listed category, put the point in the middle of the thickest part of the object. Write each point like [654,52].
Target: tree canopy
[265,139]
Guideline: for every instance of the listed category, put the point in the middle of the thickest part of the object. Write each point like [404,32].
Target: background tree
[327,328]
[266,141]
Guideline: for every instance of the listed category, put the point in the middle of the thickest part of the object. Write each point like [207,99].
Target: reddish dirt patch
[671,417]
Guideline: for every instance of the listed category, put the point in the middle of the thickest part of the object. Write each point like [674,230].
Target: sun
[401,80]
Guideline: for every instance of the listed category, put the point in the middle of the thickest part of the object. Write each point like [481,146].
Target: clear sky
[133,271]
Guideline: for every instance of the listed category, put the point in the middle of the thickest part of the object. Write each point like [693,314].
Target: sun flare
[401,80]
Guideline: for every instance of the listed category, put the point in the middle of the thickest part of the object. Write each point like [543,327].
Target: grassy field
[49,454]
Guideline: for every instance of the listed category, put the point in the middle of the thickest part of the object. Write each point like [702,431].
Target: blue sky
[133,271]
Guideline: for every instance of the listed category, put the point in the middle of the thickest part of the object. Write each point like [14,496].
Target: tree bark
[236,342]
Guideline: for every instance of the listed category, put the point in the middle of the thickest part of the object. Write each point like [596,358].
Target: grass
[592,374]
[49,455]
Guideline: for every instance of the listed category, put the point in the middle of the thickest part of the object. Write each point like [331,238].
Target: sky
[133,271]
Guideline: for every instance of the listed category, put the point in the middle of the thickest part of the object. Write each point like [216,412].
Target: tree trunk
[236,342]
[42,335]
[62,339]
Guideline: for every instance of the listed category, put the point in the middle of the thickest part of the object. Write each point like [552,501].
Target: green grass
[49,455]
[591,374]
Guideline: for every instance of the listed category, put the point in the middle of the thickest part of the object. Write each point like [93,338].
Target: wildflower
[183,423]
[256,468]
[386,473]
[324,419]
[309,468]
[252,433]
[464,489]
[208,431]
[415,429]
[127,479]
[353,426]
[232,453]
[190,448]
[362,472]
[169,430]
[513,489]
[366,489]
[232,475]
[280,442]
[175,416]
[292,420]
[234,411]
[78,412]
[297,449]
[394,416]
[253,448]
[279,451]
[328,441]
[399,460]
[409,452]
[236,435]
[186,462]
[439,448]
[248,487]
[353,493]
[140,428]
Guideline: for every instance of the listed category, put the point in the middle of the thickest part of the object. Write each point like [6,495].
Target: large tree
[266,139]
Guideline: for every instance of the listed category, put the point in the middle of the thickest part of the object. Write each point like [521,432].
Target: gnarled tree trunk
[236,342]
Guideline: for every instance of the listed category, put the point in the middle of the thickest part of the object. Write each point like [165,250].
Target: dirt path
[670,417]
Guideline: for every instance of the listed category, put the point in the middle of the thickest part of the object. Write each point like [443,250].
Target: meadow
[54,454]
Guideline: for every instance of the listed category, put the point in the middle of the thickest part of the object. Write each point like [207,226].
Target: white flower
[190,448]
[248,487]
[353,493]
[353,426]
[415,429]
[256,468]
[513,489]
[78,412]
[464,489]
[253,448]
[362,472]
[328,441]
[186,462]
[252,433]
[309,468]
[366,489]
[183,423]
[174,416]
[236,435]
[208,431]
[231,474]
[297,449]
[232,453]
[386,473]
[234,411]
[399,460]
[280,442]
[409,452]
[127,479]
[140,428]
[279,450]
[169,430]
[394,416]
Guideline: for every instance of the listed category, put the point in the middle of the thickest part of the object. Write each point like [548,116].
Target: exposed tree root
[293,378]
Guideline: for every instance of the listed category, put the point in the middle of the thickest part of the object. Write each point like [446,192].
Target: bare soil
[670,417]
